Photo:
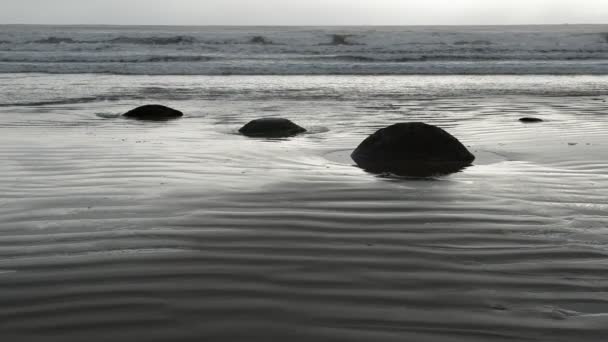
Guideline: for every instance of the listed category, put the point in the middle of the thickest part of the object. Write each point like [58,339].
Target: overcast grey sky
[304,12]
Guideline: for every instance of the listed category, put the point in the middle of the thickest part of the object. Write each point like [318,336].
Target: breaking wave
[474,42]
[120,40]
[153,40]
[573,49]
[261,40]
[108,59]
[341,39]
[56,40]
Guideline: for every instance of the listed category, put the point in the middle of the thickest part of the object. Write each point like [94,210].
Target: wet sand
[185,230]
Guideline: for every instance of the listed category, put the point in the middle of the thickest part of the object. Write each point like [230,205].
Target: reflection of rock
[153,113]
[271,128]
[530,120]
[412,149]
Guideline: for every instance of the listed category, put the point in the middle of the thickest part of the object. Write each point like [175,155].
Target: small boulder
[271,128]
[153,113]
[530,120]
[412,149]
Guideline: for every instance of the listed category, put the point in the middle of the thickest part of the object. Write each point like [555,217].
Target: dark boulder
[271,128]
[412,149]
[153,113]
[530,120]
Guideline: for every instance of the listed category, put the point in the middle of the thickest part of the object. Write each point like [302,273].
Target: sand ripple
[185,231]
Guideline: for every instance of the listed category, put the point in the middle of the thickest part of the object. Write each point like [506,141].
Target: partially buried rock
[530,120]
[412,149]
[154,113]
[271,128]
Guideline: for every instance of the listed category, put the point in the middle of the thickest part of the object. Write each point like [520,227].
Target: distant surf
[561,50]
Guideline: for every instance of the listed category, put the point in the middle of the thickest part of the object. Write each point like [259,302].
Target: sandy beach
[116,229]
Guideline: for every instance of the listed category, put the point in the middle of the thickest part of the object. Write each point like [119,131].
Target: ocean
[123,230]
[566,49]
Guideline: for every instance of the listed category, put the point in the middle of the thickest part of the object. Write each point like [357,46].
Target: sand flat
[185,230]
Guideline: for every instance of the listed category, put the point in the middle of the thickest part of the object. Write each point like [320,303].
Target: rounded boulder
[412,149]
[153,113]
[271,128]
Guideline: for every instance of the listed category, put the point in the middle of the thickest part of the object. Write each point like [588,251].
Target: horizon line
[305,25]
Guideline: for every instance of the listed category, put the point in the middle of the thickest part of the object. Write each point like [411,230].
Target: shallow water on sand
[185,230]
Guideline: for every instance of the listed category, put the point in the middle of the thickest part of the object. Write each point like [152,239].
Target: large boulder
[154,113]
[412,149]
[271,128]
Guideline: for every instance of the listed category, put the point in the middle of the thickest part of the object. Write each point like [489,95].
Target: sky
[304,12]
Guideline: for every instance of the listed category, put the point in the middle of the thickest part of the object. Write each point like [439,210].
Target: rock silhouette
[271,128]
[412,149]
[153,113]
[530,120]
